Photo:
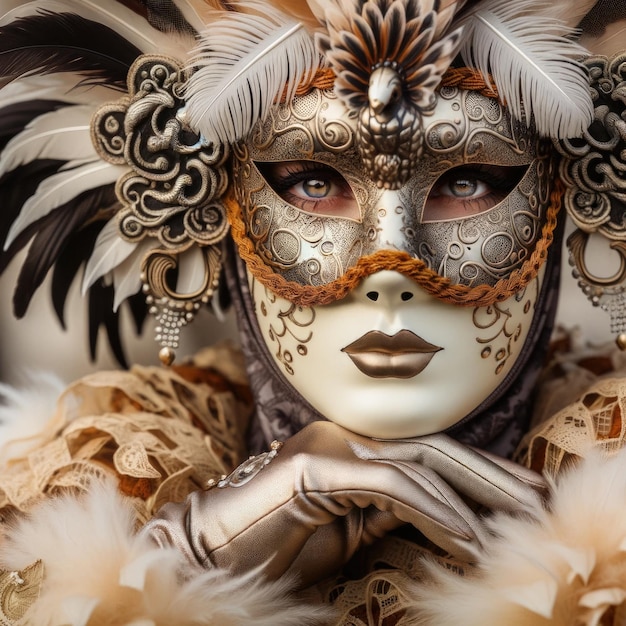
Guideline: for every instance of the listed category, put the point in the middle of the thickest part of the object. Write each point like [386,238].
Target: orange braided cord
[438,286]
[466,78]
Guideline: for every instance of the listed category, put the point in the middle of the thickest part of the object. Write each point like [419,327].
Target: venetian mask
[394,310]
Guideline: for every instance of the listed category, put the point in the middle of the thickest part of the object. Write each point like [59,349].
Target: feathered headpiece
[131,188]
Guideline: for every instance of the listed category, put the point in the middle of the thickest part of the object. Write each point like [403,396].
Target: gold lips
[402,355]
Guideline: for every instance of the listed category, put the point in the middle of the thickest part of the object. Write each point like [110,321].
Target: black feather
[138,309]
[16,187]
[15,117]
[77,250]
[65,42]
[101,313]
[51,235]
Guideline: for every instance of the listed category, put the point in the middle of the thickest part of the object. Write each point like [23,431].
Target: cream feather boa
[99,572]
[562,565]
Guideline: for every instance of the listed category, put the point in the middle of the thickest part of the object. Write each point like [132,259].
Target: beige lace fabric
[582,405]
[163,432]
[384,596]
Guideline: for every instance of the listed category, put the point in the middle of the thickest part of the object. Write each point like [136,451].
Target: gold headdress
[194,78]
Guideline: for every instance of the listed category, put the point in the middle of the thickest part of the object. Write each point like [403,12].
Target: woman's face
[390,358]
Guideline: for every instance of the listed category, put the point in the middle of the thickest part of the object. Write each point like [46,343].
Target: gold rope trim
[434,284]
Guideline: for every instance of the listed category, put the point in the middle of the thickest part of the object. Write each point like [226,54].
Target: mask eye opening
[312,187]
[469,190]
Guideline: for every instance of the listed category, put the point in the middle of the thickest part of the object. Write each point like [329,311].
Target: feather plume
[245,60]
[63,134]
[76,252]
[533,63]
[309,12]
[127,275]
[25,411]
[119,19]
[49,43]
[15,188]
[73,179]
[62,88]
[15,117]
[565,565]
[109,251]
[101,315]
[50,237]
[92,555]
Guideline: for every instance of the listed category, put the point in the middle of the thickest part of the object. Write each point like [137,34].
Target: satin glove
[309,507]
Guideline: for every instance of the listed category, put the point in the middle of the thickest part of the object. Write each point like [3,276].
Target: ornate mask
[471,225]
[344,273]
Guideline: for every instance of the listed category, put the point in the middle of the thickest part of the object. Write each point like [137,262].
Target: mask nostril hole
[406,295]
[372,295]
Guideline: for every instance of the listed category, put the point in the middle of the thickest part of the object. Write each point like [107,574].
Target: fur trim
[566,567]
[25,411]
[99,572]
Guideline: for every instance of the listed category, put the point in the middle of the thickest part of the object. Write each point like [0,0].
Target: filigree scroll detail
[594,166]
[172,191]
[503,327]
[288,326]
[594,172]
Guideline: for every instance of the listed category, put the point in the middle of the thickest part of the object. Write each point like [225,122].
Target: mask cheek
[477,348]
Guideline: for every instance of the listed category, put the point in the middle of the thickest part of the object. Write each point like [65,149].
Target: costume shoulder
[74,495]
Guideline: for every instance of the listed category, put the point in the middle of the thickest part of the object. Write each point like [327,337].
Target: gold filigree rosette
[594,172]
[171,192]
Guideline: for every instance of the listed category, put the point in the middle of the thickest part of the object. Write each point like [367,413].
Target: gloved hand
[329,491]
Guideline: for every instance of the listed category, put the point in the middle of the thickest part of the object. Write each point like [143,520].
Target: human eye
[312,187]
[470,190]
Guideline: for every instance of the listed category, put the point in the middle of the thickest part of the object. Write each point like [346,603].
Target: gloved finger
[336,543]
[465,469]
[440,489]
[389,488]
[526,475]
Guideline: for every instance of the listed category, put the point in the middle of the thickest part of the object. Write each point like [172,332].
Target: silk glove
[328,492]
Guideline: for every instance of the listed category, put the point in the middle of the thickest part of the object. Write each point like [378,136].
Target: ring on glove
[248,469]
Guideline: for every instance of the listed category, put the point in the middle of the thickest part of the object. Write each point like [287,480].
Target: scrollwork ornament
[173,187]
[593,169]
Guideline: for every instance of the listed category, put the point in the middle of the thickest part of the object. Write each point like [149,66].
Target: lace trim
[383,597]
[162,432]
[581,405]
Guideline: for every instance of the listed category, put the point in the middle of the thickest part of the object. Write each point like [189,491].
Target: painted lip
[402,355]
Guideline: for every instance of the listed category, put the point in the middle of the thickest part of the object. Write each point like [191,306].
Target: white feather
[127,275]
[191,270]
[108,252]
[245,62]
[54,191]
[63,134]
[113,14]
[24,412]
[533,64]
[61,86]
